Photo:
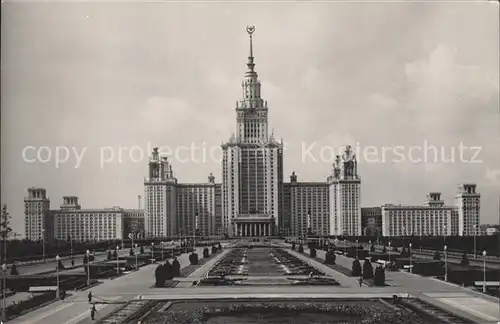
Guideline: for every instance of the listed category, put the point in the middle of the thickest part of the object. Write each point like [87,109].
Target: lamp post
[152,252]
[4,290]
[411,267]
[43,245]
[161,247]
[356,249]
[88,267]
[446,263]
[57,275]
[475,233]
[136,256]
[117,261]
[389,251]
[484,271]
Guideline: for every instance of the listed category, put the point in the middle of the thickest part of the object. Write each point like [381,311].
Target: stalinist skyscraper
[252,166]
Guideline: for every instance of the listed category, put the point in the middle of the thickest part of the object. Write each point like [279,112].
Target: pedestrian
[93,311]
[72,263]
[90,297]
[360,281]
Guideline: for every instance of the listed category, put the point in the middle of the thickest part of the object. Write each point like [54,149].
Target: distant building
[38,220]
[309,207]
[431,219]
[468,204]
[71,222]
[371,221]
[489,229]
[252,198]
[345,196]
[133,223]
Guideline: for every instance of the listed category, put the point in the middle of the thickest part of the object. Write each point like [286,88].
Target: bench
[487,283]
[41,289]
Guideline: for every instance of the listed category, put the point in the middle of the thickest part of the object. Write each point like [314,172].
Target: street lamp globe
[58,258]
[117,247]
[88,252]
[445,247]
[409,245]
[4,267]
[136,245]
[484,253]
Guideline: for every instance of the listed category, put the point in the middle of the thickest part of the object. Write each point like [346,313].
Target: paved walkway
[476,306]
[113,293]
[203,270]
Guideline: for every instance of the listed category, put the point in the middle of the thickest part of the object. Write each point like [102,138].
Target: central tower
[252,165]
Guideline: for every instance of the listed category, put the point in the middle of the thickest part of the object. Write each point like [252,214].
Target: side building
[309,207]
[38,219]
[133,223]
[173,209]
[71,222]
[468,205]
[371,221]
[432,218]
[345,196]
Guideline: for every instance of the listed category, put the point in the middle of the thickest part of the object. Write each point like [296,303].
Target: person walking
[93,312]
[90,297]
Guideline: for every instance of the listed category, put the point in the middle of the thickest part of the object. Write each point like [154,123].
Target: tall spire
[250,63]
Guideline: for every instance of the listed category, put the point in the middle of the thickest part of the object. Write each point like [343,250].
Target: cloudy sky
[383,77]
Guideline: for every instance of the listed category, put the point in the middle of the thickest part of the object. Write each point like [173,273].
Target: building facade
[468,204]
[345,195]
[133,223]
[38,220]
[371,221]
[252,198]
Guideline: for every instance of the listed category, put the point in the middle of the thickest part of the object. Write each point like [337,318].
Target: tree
[5,229]
[384,249]
[356,268]
[404,253]
[115,254]
[293,246]
[85,260]
[142,250]
[301,248]
[131,252]
[372,248]
[437,256]
[379,277]
[110,257]
[465,260]
[367,270]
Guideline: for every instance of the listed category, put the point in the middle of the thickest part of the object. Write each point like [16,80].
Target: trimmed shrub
[176,268]
[379,277]
[167,271]
[301,248]
[219,247]
[384,249]
[159,276]
[372,248]
[214,249]
[142,250]
[60,265]
[367,270]
[193,258]
[437,256]
[131,252]
[356,268]
[293,246]
[110,256]
[206,253]
[13,270]
[465,260]
[330,257]
[312,252]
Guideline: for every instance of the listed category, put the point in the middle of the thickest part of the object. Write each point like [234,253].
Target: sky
[416,85]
